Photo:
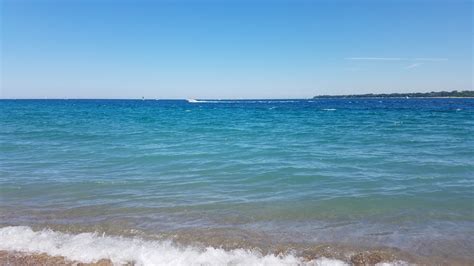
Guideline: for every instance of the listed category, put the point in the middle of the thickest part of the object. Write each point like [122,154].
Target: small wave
[92,247]
[329,109]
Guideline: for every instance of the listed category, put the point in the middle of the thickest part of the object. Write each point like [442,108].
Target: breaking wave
[92,247]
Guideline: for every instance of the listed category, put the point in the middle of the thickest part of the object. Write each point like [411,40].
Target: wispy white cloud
[414,65]
[425,59]
[414,62]
[375,58]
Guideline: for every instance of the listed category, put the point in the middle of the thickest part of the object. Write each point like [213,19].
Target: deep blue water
[391,172]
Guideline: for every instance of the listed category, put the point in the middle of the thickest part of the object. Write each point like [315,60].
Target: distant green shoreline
[440,94]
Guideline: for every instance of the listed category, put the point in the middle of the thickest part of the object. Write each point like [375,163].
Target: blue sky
[233,49]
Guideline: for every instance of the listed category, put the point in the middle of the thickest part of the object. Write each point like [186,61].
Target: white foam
[91,247]
[207,101]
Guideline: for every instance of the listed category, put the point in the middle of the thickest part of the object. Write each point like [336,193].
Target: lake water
[238,182]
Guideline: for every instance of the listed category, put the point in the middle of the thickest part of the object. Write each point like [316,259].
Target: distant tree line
[432,94]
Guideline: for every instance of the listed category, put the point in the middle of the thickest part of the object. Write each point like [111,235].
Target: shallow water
[395,173]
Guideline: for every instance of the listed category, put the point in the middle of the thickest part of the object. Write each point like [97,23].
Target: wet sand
[358,259]
[20,258]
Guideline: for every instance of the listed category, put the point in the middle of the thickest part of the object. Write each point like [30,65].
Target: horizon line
[224,99]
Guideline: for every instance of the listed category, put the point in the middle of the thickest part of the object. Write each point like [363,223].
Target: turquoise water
[361,172]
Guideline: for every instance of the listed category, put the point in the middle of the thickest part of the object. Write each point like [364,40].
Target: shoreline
[20,245]
[342,97]
[25,258]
